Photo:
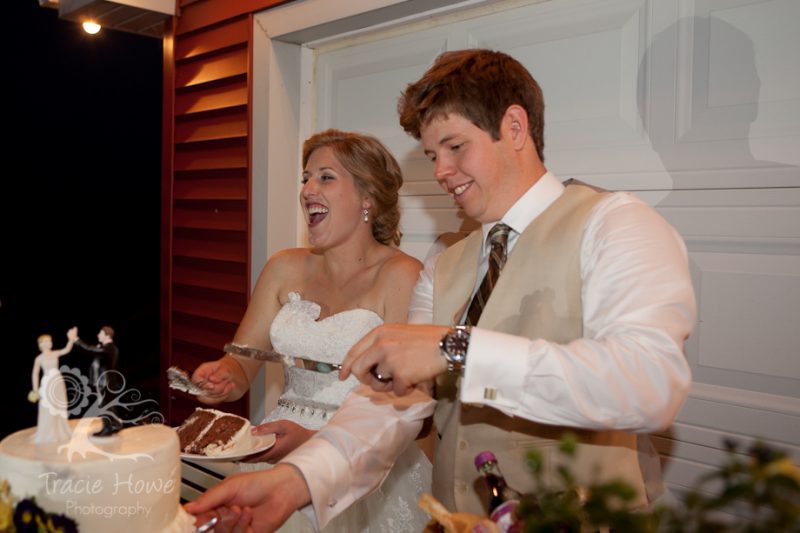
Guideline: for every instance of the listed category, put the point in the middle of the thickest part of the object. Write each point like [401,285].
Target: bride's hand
[288,436]
[222,380]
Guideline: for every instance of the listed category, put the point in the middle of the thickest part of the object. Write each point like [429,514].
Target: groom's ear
[514,124]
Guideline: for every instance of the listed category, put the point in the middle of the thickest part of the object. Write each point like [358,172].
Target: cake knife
[276,357]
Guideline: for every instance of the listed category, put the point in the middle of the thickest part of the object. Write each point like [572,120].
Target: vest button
[461,487]
[463,445]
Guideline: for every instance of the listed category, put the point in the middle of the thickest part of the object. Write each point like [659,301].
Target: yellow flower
[6,516]
[784,466]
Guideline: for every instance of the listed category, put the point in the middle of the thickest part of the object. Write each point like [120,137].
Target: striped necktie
[498,238]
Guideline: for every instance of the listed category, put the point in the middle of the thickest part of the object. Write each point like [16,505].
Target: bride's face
[331,202]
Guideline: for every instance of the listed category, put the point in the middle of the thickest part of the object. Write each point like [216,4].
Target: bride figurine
[51,393]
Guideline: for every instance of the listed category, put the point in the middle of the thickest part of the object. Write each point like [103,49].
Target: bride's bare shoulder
[400,264]
[290,258]
[285,266]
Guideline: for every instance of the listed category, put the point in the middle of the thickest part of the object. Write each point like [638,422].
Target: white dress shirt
[627,372]
[353,453]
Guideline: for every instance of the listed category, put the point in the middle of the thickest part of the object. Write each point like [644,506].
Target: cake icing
[128,482]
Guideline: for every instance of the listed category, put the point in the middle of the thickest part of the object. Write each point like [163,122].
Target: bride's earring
[366,215]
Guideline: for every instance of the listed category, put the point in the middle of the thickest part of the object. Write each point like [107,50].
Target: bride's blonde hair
[375,172]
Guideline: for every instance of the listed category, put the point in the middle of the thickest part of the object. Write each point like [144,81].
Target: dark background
[80,208]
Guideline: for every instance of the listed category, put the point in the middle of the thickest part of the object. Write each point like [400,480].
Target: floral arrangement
[26,516]
[764,480]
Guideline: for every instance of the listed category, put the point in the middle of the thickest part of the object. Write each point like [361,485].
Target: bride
[317,302]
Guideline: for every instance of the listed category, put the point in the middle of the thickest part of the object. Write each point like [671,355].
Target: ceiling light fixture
[91,27]
[142,17]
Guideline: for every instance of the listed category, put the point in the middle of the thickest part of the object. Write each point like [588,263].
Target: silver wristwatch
[454,346]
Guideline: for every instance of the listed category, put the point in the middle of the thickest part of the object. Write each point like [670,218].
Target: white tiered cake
[128,482]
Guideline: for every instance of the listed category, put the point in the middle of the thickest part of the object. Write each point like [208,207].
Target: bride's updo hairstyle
[376,174]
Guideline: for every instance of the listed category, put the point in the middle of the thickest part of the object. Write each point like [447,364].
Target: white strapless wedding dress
[311,398]
[51,423]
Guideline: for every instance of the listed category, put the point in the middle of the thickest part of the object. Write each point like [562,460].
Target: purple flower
[28,516]
[58,523]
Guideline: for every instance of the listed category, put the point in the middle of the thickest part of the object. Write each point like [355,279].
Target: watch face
[456,344]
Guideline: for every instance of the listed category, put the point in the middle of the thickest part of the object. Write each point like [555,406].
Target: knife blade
[277,357]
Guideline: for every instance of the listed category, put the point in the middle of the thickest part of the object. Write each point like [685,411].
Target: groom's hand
[406,353]
[253,501]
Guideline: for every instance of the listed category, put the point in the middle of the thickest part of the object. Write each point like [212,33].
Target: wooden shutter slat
[208,303]
[216,245]
[211,155]
[210,68]
[215,215]
[224,184]
[212,126]
[212,39]
[213,334]
[226,94]
[229,277]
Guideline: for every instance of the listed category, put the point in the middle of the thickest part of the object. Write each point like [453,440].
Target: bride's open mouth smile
[316,214]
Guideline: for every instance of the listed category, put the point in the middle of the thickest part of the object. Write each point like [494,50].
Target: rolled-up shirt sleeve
[628,371]
[354,452]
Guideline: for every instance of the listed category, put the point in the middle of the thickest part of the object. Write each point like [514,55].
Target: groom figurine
[102,375]
[566,311]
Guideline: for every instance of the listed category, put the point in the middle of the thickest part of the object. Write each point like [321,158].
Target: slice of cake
[211,432]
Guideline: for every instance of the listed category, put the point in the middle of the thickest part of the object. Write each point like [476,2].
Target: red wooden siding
[206,185]
[206,211]
[202,13]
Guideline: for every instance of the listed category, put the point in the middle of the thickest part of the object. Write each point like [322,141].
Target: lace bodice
[310,398]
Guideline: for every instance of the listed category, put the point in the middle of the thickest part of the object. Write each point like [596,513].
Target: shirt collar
[530,205]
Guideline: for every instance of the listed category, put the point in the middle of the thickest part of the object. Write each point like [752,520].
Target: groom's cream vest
[538,295]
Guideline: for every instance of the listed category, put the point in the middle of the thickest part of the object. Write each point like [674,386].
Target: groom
[567,311]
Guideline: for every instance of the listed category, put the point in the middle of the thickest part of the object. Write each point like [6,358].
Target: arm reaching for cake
[288,436]
[227,379]
[223,380]
[253,501]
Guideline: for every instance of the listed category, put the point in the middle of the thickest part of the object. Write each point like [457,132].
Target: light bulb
[91,27]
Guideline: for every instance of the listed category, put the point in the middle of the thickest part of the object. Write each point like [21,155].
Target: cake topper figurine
[103,375]
[51,393]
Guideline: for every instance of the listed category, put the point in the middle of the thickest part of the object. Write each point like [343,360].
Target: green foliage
[763,480]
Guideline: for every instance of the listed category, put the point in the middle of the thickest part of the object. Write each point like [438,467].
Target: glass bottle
[503,499]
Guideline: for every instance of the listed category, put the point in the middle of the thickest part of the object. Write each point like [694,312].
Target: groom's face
[469,165]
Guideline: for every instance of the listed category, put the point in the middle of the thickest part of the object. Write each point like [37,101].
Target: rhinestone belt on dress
[302,409]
